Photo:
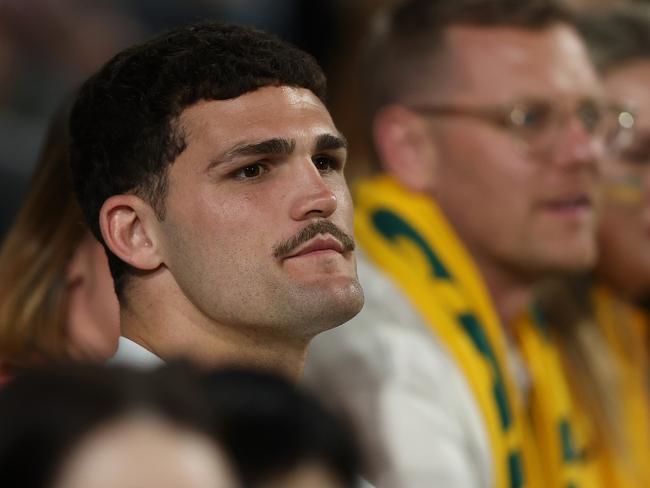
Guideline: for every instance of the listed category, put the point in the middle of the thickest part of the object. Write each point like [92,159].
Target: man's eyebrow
[274,146]
[330,142]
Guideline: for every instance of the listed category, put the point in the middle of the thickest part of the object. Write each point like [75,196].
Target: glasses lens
[619,134]
[530,117]
[530,123]
[540,124]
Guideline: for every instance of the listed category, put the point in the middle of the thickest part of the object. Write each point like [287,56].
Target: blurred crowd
[49,47]
[498,157]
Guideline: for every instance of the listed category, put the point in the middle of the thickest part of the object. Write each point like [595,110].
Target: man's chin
[568,264]
[333,302]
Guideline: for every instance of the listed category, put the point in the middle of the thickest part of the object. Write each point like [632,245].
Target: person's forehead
[128,450]
[272,111]
[511,63]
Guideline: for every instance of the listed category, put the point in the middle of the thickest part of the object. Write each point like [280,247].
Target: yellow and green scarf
[625,329]
[408,237]
[562,433]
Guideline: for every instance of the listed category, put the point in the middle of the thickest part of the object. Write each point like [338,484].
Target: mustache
[309,232]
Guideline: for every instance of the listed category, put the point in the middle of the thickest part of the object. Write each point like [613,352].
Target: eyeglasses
[539,124]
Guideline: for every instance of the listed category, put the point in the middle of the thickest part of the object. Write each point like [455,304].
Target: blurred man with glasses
[612,302]
[620,42]
[489,124]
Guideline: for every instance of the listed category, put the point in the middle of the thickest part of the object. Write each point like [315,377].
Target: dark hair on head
[616,36]
[45,413]
[124,124]
[270,426]
[405,38]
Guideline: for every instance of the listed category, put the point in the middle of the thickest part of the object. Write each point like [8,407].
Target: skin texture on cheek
[234,278]
[624,231]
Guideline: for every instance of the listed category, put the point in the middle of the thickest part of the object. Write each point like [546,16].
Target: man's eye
[325,164]
[251,171]
[533,116]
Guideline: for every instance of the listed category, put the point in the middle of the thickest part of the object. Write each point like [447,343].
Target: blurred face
[624,234]
[145,453]
[258,225]
[93,322]
[520,201]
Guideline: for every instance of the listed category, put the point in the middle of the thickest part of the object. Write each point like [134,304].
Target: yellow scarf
[407,236]
[625,329]
[560,429]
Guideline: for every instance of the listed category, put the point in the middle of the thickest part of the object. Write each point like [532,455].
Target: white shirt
[131,353]
[418,419]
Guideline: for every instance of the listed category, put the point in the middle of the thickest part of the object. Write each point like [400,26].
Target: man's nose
[313,196]
[577,147]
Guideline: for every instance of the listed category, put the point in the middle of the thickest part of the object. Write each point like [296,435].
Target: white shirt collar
[131,353]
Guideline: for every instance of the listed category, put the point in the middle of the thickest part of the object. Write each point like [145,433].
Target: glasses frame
[512,119]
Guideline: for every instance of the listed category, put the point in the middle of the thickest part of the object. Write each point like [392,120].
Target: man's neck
[629,287]
[170,334]
[511,292]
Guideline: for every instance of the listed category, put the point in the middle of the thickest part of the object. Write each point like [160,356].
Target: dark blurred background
[48,47]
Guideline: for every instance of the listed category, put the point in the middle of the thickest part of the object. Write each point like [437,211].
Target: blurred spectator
[169,428]
[601,317]
[610,327]
[488,120]
[56,293]
[89,427]
[279,436]
[620,43]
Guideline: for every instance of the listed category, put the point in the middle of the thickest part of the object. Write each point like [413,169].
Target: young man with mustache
[207,163]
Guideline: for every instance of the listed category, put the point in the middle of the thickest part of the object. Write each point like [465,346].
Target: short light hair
[406,36]
[617,36]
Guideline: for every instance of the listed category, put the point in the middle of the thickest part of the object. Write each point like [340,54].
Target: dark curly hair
[124,123]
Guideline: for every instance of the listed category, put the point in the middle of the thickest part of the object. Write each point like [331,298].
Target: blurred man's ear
[128,227]
[405,145]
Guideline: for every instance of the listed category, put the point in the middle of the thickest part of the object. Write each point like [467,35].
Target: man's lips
[320,243]
[569,203]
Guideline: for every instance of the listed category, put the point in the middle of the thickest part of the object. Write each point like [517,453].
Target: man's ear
[128,227]
[405,145]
